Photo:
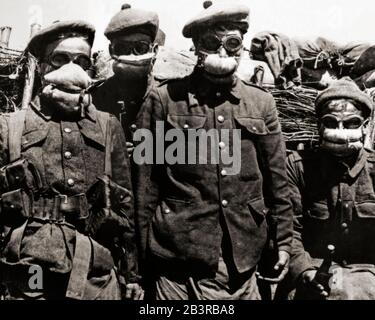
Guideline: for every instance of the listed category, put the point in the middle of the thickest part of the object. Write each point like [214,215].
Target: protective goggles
[352,122]
[213,43]
[126,48]
[58,59]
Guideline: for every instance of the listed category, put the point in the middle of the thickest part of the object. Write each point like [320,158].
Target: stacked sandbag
[325,61]
[363,71]
[282,56]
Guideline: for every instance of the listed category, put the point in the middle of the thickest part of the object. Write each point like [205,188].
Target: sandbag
[325,61]
[281,55]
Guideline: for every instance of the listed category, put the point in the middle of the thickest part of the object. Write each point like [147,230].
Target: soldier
[332,192]
[132,34]
[207,238]
[66,194]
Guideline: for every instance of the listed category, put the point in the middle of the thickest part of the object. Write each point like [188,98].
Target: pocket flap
[253,125]
[32,138]
[187,121]
[366,209]
[258,206]
[318,210]
[258,210]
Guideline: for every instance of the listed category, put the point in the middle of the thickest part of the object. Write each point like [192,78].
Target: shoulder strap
[16,126]
[104,119]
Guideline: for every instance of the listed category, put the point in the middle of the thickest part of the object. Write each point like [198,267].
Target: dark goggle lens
[60,59]
[213,43]
[353,123]
[127,48]
[330,122]
[83,61]
[233,44]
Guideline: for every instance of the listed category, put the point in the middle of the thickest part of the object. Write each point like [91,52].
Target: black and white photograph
[208,152]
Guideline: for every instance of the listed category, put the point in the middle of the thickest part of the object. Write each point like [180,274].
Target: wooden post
[30,74]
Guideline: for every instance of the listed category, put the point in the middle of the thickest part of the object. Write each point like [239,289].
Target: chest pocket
[33,138]
[185,122]
[366,209]
[255,126]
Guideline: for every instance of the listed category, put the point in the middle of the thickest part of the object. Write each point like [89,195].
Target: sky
[339,20]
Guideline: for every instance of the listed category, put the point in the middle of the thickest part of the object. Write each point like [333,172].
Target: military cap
[218,12]
[343,89]
[60,30]
[129,19]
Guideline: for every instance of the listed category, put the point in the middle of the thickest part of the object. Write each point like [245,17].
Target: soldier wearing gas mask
[332,191]
[65,185]
[132,33]
[207,238]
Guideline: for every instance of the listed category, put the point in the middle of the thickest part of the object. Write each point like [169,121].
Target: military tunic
[69,156]
[202,205]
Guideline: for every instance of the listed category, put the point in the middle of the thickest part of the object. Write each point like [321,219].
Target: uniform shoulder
[302,155]
[254,87]
[171,81]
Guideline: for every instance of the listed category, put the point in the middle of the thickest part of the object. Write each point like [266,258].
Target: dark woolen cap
[129,19]
[343,89]
[213,13]
[60,30]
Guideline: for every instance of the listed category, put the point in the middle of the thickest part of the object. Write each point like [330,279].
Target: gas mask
[65,89]
[134,60]
[342,137]
[219,57]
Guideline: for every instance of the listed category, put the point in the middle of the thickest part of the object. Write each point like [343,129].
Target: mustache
[216,65]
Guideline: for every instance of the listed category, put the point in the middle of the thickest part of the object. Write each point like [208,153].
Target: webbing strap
[81,265]
[104,119]
[16,126]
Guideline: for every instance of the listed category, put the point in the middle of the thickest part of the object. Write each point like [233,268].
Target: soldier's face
[219,51]
[134,56]
[61,52]
[342,128]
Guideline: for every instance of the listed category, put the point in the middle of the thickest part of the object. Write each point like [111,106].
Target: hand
[134,292]
[282,267]
[130,148]
[308,279]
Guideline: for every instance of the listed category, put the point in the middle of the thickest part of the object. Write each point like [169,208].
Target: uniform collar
[202,88]
[89,126]
[47,112]
[350,170]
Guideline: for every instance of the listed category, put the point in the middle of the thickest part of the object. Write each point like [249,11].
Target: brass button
[224,172]
[224,203]
[167,211]
[218,94]
[186,126]
[68,155]
[71,182]
[133,127]
[67,130]
[344,225]
[221,119]
[222,145]
[255,129]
